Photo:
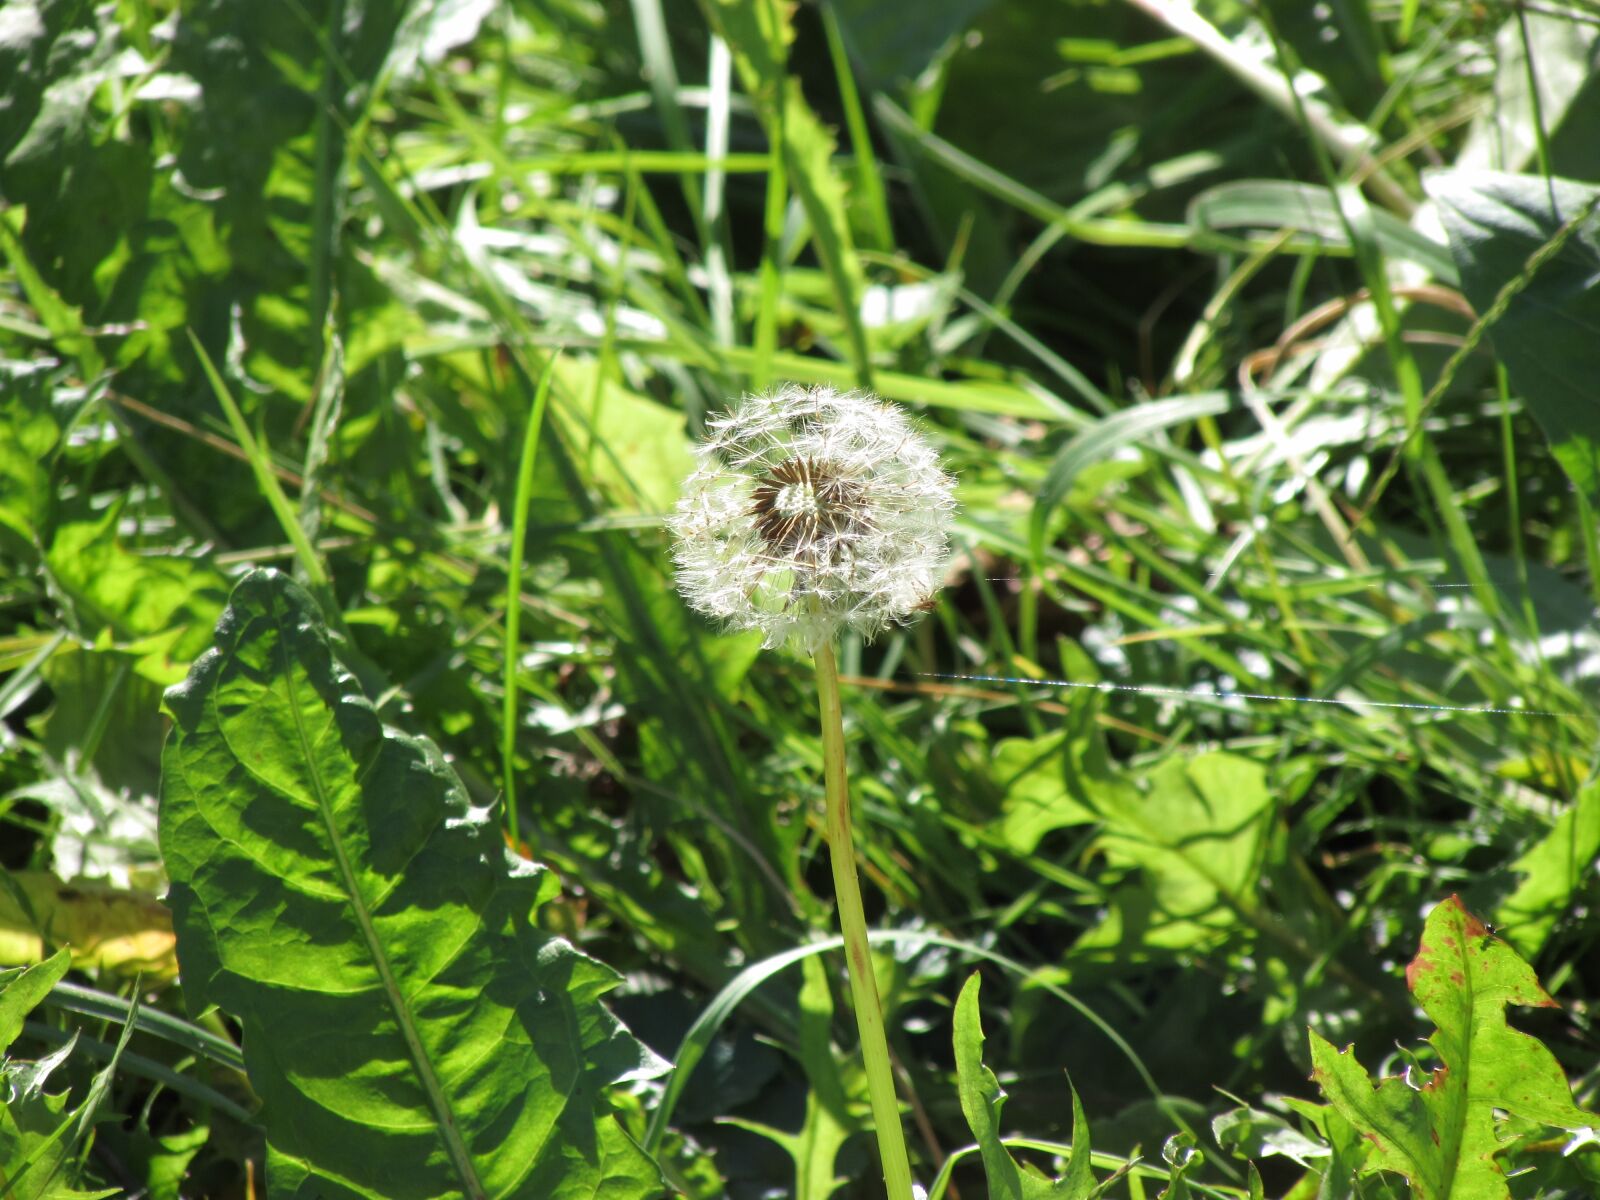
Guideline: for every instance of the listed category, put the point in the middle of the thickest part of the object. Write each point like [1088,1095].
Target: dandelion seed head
[813,510]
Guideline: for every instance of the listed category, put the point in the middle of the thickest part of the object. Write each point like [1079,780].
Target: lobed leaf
[408,1029]
[1441,1136]
[981,1103]
[38,1144]
[1197,836]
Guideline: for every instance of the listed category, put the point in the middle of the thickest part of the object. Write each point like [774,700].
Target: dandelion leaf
[409,1030]
[1441,1136]
[981,1103]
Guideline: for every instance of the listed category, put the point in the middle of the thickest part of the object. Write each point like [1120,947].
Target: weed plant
[352,357]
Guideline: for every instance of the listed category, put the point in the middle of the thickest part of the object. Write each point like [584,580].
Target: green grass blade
[697,1039]
[758,34]
[519,539]
[868,180]
[261,467]
[91,1002]
[1104,438]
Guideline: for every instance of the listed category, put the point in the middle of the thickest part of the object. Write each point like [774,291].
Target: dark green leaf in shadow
[1549,334]
[894,43]
[28,434]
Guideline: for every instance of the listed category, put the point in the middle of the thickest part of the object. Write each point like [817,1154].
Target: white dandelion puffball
[813,510]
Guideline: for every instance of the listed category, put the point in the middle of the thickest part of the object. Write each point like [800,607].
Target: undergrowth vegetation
[377,820]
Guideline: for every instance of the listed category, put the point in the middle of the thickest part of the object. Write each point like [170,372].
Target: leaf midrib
[443,1115]
[1459,1077]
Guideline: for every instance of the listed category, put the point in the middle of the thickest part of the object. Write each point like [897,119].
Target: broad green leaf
[407,1027]
[1552,870]
[110,714]
[634,448]
[1054,782]
[1544,82]
[1196,837]
[130,594]
[21,991]
[981,1102]
[1250,1133]
[1441,1135]
[1549,335]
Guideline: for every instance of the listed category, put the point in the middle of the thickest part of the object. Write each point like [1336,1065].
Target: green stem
[853,924]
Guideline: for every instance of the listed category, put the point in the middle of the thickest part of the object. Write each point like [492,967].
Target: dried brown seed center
[806,508]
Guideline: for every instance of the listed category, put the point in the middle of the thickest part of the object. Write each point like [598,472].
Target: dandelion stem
[853,923]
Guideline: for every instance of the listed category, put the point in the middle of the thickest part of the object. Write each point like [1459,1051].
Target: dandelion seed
[811,511]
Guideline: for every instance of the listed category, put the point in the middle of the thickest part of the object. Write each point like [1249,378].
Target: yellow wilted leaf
[125,931]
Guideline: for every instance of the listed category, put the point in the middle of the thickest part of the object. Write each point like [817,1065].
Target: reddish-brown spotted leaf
[1440,1134]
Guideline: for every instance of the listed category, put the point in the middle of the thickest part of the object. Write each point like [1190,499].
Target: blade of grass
[324,419]
[655,47]
[758,35]
[261,466]
[869,183]
[714,215]
[513,635]
[90,1002]
[1350,141]
[699,1036]
[771,272]
[1071,222]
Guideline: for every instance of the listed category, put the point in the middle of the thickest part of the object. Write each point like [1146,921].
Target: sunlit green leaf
[1441,1135]
[981,1102]
[1552,870]
[407,1027]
